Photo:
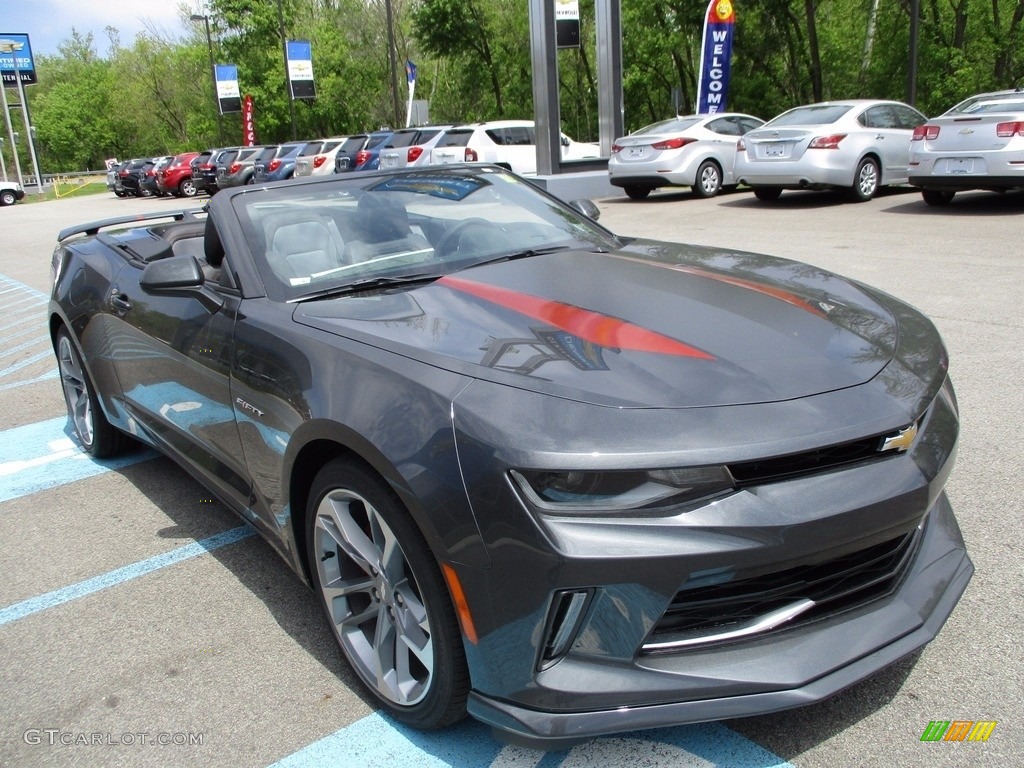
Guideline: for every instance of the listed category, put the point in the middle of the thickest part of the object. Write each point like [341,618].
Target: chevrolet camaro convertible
[569,482]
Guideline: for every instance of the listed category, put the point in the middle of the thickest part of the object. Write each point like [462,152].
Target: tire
[90,425]
[7,197]
[187,188]
[767,194]
[637,193]
[937,197]
[709,180]
[865,181]
[378,611]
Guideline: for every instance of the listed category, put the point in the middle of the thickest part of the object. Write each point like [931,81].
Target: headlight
[617,491]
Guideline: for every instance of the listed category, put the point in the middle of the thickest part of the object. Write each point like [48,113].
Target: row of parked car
[857,145]
[511,143]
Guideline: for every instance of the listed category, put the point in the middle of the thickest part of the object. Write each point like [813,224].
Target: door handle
[120,302]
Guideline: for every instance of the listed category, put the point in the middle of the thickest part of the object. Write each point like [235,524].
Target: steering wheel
[451,241]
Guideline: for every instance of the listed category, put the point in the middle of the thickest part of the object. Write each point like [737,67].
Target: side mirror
[173,274]
[179,276]
[587,208]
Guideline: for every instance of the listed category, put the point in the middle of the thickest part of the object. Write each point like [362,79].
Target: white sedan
[979,144]
[858,145]
[688,151]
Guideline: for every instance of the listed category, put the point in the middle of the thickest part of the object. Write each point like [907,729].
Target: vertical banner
[715,56]
[567,23]
[300,69]
[248,122]
[410,76]
[229,98]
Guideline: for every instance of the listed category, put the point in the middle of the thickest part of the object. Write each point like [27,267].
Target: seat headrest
[213,249]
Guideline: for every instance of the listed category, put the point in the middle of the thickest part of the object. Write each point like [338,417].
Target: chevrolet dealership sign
[16,56]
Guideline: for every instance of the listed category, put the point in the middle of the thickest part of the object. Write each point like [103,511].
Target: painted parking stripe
[375,741]
[40,456]
[120,575]
[25,311]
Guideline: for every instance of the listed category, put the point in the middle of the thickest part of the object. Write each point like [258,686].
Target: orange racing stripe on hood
[594,327]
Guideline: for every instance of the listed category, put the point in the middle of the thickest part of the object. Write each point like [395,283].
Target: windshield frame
[506,215]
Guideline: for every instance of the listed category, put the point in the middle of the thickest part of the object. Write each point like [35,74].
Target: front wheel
[384,597]
[767,193]
[865,181]
[937,197]
[637,193]
[709,180]
[90,425]
[7,197]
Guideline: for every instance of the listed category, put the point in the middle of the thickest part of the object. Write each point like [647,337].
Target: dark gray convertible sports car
[570,482]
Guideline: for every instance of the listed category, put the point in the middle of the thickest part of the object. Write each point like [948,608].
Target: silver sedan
[690,151]
[858,145]
[979,144]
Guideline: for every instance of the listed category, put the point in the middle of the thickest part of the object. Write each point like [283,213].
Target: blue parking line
[375,740]
[52,374]
[40,456]
[120,575]
[8,284]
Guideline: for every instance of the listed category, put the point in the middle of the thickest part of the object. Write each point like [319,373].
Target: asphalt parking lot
[143,624]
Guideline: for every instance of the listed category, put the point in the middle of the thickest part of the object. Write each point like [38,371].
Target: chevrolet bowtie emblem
[900,441]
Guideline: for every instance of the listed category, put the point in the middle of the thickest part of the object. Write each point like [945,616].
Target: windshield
[1005,105]
[675,125]
[815,114]
[314,238]
[968,104]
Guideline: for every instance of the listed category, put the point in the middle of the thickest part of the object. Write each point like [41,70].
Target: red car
[176,178]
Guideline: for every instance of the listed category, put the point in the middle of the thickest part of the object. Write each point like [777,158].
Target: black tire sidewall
[445,702]
[106,440]
[698,186]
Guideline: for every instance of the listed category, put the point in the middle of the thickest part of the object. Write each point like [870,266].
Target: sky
[49,22]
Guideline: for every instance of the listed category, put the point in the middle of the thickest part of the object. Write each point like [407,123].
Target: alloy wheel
[373,598]
[76,390]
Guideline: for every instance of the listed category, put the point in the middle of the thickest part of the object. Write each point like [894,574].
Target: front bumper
[782,670]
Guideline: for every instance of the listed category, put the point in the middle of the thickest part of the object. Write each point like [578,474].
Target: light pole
[287,74]
[213,73]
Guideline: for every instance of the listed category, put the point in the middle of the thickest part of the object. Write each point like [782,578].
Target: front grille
[834,586]
[784,467]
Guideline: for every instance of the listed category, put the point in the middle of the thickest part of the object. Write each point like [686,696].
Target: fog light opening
[564,620]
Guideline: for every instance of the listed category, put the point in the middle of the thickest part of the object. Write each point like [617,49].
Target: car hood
[650,325]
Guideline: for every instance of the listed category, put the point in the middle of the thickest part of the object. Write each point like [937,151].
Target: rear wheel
[865,181]
[187,188]
[937,197]
[385,599]
[91,427]
[709,179]
[767,193]
[637,193]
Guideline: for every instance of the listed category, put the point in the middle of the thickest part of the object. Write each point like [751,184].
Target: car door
[726,131]
[172,356]
[892,140]
[519,148]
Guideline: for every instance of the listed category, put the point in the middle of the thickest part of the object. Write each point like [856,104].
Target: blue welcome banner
[715,55]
